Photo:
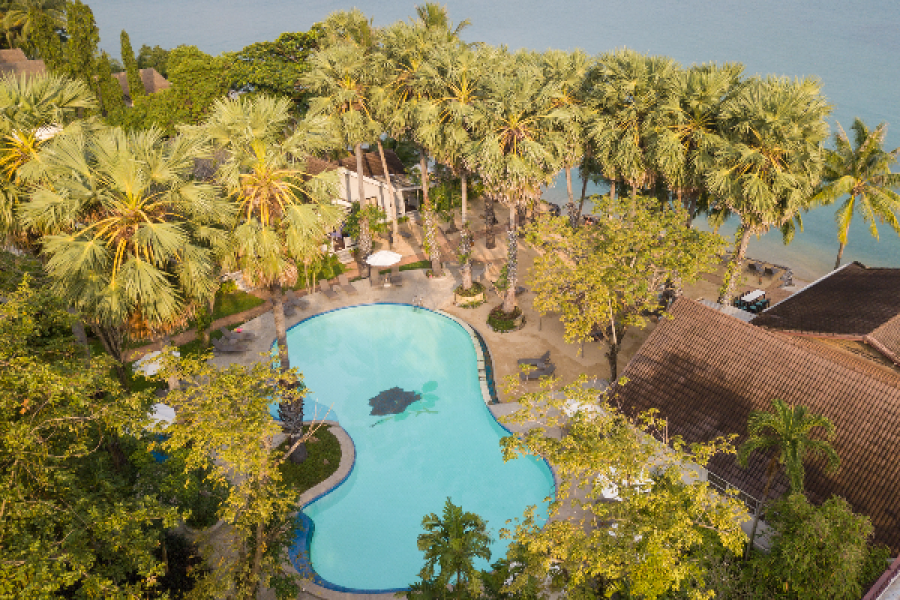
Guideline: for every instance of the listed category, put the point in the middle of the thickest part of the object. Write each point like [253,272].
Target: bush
[473,291]
[501,321]
[323,446]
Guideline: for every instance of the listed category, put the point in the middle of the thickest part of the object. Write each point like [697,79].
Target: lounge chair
[756,267]
[533,374]
[291,299]
[345,285]
[770,270]
[239,336]
[396,277]
[326,289]
[536,362]
[230,346]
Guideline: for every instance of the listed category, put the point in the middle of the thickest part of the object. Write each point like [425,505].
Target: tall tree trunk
[570,205]
[464,189]
[837,263]
[612,189]
[737,262]
[113,340]
[490,241]
[259,549]
[431,239]
[614,337]
[390,184]
[770,469]
[512,257]
[584,182]
[465,249]
[365,235]
[280,328]
[290,411]
[79,333]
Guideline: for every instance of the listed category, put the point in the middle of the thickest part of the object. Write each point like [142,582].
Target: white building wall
[372,188]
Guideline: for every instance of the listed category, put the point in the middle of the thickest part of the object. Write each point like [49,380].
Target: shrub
[501,321]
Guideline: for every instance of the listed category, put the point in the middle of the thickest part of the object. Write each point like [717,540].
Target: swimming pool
[404,385]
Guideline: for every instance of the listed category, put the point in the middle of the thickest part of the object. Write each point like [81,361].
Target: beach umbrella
[383,258]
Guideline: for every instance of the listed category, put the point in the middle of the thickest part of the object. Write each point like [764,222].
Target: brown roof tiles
[372,164]
[706,372]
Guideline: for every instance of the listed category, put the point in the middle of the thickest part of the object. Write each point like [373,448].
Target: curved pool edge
[331,591]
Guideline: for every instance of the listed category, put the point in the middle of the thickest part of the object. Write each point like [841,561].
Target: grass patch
[421,264]
[321,447]
[230,302]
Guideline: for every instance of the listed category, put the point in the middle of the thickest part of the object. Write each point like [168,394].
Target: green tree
[228,432]
[275,68]
[27,105]
[128,233]
[768,160]
[135,84]
[154,57]
[861,171]
[787,433]
[198,80]
[283,215]
[77,519]
[816,552]
[46,41]
[641,520]
[452,542]
[81,47]
[112,103]
[21,17]
[605,278]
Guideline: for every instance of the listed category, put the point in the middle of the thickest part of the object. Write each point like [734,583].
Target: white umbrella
[383,258]
[149,364]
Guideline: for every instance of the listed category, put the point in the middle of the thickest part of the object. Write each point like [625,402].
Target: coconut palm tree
[787,434]
[686,131]
[32,110]
[128,233]
[768,159]
[861,171]
[283,215]
[343,77]
[624,91]
[518,144]
[452,542]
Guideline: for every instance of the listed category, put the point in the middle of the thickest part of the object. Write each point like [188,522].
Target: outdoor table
[750,297]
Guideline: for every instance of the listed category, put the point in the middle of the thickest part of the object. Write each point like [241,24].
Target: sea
[852,47]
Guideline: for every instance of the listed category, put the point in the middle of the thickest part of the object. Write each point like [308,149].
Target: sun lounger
[240,336]
[756,267]
[536,362]
[224,345]
[345,285]
[396,277]
[291,299]
[770,270]
[533,374]
[326,289]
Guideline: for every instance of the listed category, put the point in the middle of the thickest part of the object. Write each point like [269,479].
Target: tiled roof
[314,165]
[12,55]
[372,164]
[151,78]
[706,372]
[23,68]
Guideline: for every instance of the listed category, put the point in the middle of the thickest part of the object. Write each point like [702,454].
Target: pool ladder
[418,302]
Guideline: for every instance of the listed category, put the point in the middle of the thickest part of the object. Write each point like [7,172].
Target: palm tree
[786,432]
[283,215]
[518,144]
[453,543]
[624,91]
[686,131]
[343,77]
[128,233]
[768,159]
[31,110]
[861,171]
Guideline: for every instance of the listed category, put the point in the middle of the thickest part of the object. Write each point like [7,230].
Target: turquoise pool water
[446,443]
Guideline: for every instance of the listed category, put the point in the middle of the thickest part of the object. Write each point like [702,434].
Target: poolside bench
[326,289]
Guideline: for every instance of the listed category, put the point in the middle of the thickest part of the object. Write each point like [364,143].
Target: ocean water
[852,47]
[404,385]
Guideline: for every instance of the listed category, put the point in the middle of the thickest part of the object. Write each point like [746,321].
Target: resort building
[13,62]
[152,80]
[706,371]
[375,186]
